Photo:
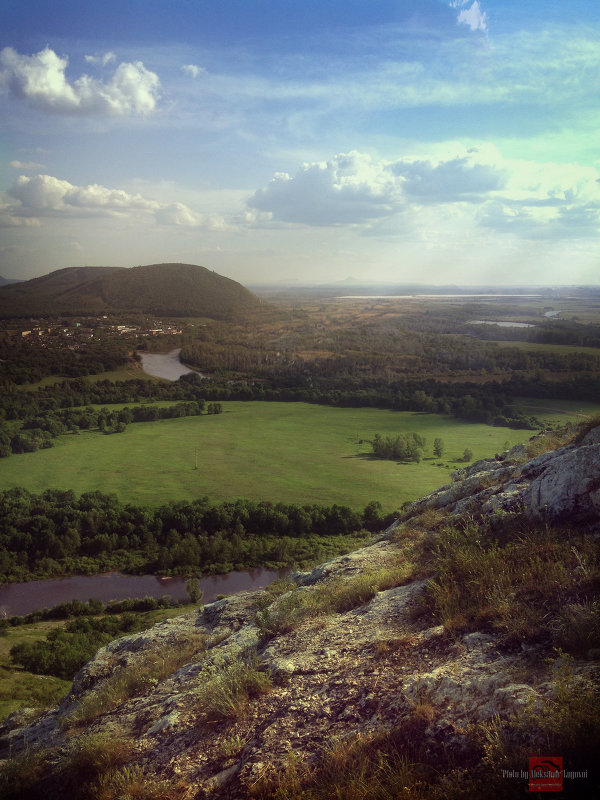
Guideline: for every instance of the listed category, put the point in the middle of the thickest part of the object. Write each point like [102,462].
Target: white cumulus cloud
[47,196]
[348,189]
[475,185]
[353,188]
[40,79]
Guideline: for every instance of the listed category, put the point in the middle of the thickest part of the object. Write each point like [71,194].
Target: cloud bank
[529,199]
[40,80]
[47,196]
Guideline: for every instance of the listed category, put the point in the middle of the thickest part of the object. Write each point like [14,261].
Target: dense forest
[57,533]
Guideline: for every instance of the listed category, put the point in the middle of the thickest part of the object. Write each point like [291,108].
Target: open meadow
[283,452]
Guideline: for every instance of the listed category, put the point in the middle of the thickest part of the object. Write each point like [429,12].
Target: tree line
[56,533]
[490,403]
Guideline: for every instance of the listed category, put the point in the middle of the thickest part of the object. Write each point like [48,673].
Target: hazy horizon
[430,142]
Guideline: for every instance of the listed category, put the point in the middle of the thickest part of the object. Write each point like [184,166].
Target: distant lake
[501,324]
[164,365]
[18,599]
[427,296]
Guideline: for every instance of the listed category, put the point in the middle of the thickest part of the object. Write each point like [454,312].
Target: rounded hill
[167,289]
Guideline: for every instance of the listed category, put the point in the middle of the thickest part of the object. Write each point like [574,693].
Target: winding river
[18,599]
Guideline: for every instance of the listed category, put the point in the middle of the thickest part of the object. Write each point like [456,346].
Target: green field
[19,688]
[288,452]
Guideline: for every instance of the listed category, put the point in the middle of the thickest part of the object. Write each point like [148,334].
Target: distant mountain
[167,289]
[6,281]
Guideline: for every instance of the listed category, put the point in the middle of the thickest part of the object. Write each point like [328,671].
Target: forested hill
[167,289]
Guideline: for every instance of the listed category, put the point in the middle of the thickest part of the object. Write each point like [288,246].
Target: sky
[281,141]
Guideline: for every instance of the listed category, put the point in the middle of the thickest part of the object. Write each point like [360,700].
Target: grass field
[288,452]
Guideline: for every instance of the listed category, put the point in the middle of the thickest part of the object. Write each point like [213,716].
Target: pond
[164,365]
[18,599]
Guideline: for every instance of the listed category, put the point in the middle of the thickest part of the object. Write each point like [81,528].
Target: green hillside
[167,289]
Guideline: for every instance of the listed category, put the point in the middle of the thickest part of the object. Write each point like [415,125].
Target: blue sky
[438,141]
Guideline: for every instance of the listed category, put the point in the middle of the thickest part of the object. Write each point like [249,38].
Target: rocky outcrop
[327,672]
[558,483]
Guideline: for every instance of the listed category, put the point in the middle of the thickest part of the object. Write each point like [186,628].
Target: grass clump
[87,759]
[567,723]
[134,680]
[230,746]
[135,783]
[520,580]
[334,596]
[91,767]
[226,692]
[21,778]
[383,766]
[576,628]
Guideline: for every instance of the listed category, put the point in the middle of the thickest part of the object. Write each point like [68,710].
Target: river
[164,365]
[17,599]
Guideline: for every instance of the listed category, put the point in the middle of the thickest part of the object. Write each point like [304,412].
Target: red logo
[545,774]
